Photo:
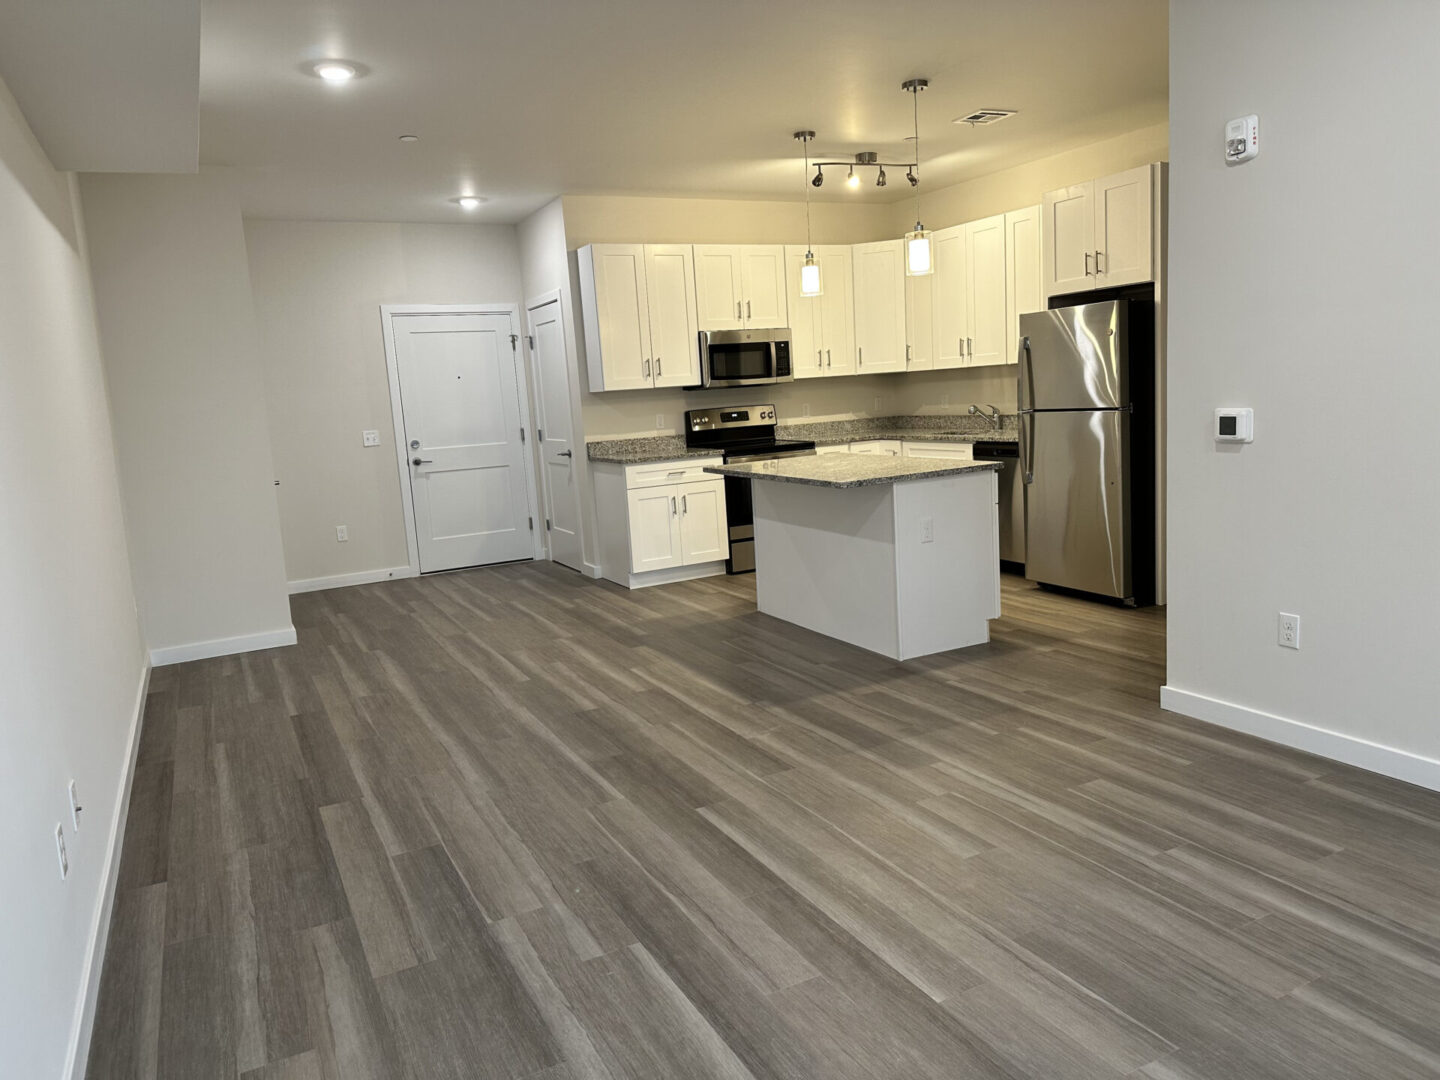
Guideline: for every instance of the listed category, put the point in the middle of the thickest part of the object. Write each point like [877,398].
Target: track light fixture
[852,181]
[880,180]
[819,177]
[910,175]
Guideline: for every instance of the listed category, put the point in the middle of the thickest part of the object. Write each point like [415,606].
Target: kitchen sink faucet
[993,415]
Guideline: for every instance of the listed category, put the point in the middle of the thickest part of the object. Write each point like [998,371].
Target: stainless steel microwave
[745,357]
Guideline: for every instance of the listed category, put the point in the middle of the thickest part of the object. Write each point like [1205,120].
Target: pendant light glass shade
[810,276]
[918,253]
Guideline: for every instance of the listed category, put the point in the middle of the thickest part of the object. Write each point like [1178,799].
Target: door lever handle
[422,461]
[565,453]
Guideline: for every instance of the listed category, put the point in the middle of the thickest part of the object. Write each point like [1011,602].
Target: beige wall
[635,219]
[177,329]
[318,288]
[1320,261]
[71,656]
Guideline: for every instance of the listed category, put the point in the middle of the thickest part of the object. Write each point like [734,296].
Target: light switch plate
[370,438]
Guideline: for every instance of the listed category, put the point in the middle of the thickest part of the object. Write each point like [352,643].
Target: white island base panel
[854,564]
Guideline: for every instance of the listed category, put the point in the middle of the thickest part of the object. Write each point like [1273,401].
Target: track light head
[819,177]
[852,181]
[910,175]
[880,180]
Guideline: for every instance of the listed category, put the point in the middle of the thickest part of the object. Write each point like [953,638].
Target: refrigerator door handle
[1025,424]
[1025,375]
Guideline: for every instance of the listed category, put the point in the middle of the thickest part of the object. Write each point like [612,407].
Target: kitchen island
[896,555]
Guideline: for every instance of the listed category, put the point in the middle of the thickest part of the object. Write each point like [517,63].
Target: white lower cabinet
[836,448]
[660,521]
[890,447]
[943,451]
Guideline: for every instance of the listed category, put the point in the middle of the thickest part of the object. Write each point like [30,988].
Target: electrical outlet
[1287,631]
[75,806]
[60,850]
[660,420]
[370,438]
[927,530]
[342,533]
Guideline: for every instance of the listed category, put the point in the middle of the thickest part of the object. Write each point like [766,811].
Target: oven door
[730,362]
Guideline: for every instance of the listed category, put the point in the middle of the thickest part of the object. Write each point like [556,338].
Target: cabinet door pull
[860,356]
[819,357]
[647,369]
[907,354]
[684,504]
[657,367]
[673,511]
[738,316]
[970,348]
[1097,262]
[827,357]
[1087,264]
[747,309]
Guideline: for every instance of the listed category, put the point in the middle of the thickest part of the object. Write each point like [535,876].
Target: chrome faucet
[993,415]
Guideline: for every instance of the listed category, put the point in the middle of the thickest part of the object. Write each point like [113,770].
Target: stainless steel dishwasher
[1012,497]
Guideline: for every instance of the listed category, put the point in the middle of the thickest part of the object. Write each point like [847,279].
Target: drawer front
[665,473]
[838,448]
[877,446]
[949,451]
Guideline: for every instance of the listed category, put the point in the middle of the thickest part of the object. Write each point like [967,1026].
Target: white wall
[177,329]
[71,658]
[318,287]
[1300,283]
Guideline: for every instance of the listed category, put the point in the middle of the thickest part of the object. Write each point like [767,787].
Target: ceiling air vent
[984,116]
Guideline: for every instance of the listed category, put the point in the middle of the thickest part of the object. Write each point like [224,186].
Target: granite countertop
[849,470]
[960,428]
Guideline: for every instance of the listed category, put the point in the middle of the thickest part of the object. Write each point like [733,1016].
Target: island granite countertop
[849,470]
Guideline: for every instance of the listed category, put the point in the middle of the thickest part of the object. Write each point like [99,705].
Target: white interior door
[460,398]
[554,435]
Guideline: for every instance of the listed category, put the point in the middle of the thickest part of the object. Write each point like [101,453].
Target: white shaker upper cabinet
[985,260]
[1123,228]
[718,287]
[615,310]
[1024,291]
[1069,239]
[951,297]
[762,285]
[920,321]
[822,328]
[879,307]
[674,330]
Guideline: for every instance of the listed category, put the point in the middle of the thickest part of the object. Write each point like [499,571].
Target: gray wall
[1301,285]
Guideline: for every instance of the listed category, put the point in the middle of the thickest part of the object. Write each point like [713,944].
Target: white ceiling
[106,85]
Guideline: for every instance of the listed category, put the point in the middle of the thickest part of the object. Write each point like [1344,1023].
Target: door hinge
[532,524]
[514,340]
[530,341]
[547,524]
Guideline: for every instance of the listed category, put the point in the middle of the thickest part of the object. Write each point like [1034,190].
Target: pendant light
[809,269]
[918,260]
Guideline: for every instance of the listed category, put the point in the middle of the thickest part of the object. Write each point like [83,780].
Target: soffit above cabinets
[107,85]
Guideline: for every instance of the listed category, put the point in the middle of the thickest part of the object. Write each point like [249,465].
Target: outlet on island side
[660,421]
[342,533]
[1287,631]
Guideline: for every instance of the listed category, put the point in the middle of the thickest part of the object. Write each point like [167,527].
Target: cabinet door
[940,451]
[952,297]
[879,307]
[837,309]
[704,533]
[1023,290]
[837,448]
[1122,228]
[985,251]
[717,287]
[920,322]
[654,528]
[1068,235]
[674,334]
[617,325]
[807,356]
[762,285]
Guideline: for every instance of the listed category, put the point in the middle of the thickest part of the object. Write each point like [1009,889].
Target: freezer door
[1077,502]
[1074,358]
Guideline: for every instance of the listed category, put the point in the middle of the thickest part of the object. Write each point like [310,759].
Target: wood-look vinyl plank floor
[512,823]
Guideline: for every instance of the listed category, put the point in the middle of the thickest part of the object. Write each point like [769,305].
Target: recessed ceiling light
[409,138]
[469,202]
[336,72]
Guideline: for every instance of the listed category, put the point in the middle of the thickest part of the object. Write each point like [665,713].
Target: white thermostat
[1242,139]
[1234,425]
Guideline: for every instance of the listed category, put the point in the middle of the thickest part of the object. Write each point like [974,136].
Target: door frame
[580,463]
[397,412]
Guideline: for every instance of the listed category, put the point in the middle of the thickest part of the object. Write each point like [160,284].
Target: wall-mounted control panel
[1234,425]
[1242,139]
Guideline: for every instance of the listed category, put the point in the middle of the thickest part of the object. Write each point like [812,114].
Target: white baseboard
[203,650]
[83,1025]
[1386,760]
[592,570]
[340,581]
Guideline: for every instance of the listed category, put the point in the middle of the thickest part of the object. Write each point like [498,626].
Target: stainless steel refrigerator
[1087,448]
